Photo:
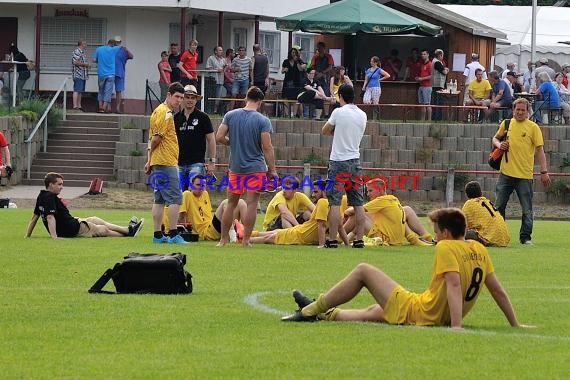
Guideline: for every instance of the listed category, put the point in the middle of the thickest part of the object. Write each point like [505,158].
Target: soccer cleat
[240,230]
[233,235]
[330,244]
[300,299]
[161,240]
[358,244]
[134,220]
[177,240]
[298,317]
[135,228]
[527,242]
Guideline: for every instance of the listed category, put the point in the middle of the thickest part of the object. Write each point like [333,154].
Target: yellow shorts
[398,306]
[209,233]
[88,229]
[292,236]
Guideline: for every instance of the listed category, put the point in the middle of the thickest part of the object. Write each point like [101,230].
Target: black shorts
[217,224]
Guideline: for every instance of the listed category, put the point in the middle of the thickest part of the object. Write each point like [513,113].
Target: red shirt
[390,66]
[414,67]
[3,143]
[565,80]
[189,62]
[425,71]
[164,65]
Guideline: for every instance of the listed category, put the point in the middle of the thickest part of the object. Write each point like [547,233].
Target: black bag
[496,155]
[147,273]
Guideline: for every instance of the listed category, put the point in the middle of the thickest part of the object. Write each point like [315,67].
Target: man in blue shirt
[500,94]
[104,57]
[123,55]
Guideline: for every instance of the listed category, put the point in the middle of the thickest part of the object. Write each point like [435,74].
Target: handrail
[43,120]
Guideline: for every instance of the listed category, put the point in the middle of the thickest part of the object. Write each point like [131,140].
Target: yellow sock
[413,239]
[330,314]
[316,307]
[428,237]
[254,233]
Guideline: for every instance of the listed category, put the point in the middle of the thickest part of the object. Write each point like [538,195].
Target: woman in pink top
[164,71]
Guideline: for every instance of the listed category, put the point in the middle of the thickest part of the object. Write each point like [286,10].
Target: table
[449,99]
[14,63]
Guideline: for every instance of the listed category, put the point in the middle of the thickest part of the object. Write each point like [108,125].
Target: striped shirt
[79,72]
[243,64]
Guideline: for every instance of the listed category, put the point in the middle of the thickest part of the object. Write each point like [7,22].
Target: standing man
[260,65]
[173,60]
[424,91]
[523,141]
[243,70]
[470,73]
[187,65]
[217,62]
[123,55]
[5,162]
[510,67]
[247,133]
[104,57]
[228,73]
[438,76]
[392,64]
[194,131]
[162,165]
[413,66]
[80,73]
[346,124]
[544,67]
[323,63]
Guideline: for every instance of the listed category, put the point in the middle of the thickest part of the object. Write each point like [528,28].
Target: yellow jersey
[388,219]
[483,217]
[523,137]
[299,202]
[198,212]
[162,124]
[306,233]
[480,89]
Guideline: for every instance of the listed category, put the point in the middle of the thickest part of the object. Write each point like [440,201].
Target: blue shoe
[161,240]
[177,240]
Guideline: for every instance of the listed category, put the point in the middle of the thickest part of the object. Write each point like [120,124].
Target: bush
[39,106]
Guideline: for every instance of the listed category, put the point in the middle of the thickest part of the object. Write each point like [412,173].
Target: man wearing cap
[194,131]
[104,57]
[543,67]
[469,72]
[123,55]
[512,77]
[510,67]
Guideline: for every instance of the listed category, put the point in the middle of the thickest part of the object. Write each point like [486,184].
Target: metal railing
[43,121]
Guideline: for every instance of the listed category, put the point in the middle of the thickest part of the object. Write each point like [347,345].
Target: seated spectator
[59,222]
[484,222]
[500,94]
[478,91]
[196,209]
[288,207]
[339,78]
[547,94]
[387,219]
[313,95]
[564,94]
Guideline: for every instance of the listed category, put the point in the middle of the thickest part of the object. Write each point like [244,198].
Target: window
[270,44]
[174,34]
[306,42]
[240,38]
[59,36]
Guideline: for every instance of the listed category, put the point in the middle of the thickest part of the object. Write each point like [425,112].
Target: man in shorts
[162,165]
[288,207]
[460,269]
[424,79]
[59,222]
[346,124]
[252,161]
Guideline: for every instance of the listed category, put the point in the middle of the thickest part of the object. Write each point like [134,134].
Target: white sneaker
[233,235]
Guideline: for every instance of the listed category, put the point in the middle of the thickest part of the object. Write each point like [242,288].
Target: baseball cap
[191,89]
[474,56]
[543,60]
[511,73]
[565,65]
[117,39]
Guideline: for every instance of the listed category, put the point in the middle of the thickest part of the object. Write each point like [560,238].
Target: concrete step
[90,116]
[74,183]
[88,130]
[62,148]
[79,162]
[81,136]
[79,171]
[90,123]
[75,156]
[81,143]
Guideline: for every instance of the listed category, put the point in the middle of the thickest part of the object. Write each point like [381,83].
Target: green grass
[50,327]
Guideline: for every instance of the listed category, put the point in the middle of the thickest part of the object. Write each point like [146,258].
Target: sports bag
[496,155]
[148,273]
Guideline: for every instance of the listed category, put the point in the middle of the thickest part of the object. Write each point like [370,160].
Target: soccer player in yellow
[162,165]
[460,270]
[196,209]
[484,222]
[288,207]
[387,219]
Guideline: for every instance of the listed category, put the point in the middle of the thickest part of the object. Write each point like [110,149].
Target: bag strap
[101,282]
[507,124]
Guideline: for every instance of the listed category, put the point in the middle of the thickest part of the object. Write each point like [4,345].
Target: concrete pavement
[31,192]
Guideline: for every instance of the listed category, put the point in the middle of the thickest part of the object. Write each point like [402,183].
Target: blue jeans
[523,187]
[187,172]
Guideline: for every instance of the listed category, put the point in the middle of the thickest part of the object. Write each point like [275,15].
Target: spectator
[424,91]
[22,69]
[470,71]
[566,73]
[187,65]
[194,132]
[371,87]
[392,65]
[322,62]
[228,73]
[543,66]
[80,73]
[260,67]
[216,62]
[528,77]
[105,58]
[478,90]
[242,68]
[510,67]
[485,223]
[123,55]
[174,60]
[164,72]
[294,69]
[438,78]
[338,79]
[500,94]
[547,94]
[413,66]
[313,96]
[5,160]
[564,94]
[513,82]
[60,224]
[516,173]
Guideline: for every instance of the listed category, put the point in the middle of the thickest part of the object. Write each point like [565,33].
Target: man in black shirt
[59,222]
[173,60]
[194,131]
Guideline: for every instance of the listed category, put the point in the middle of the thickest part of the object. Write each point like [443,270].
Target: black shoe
[135,228]
[298,317]
[330,244]
[300,299]
[358,244]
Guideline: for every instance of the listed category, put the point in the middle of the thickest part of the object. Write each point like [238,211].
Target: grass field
[51,328]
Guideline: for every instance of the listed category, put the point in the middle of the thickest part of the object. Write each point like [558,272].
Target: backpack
[496,155]
[147,273]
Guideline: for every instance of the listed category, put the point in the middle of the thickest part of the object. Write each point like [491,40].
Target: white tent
[552,26]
